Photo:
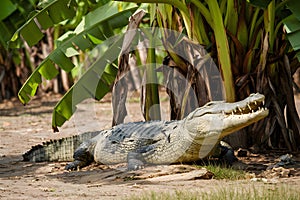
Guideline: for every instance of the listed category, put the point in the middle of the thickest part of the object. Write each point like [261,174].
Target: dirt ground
[22,127]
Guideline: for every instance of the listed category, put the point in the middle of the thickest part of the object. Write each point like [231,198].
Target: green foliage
[222,48]
[240,35]
[228,173]
[248,43]
[95,26]
[152,96]
[13,14]
[95,83]
[53,13]
[292,26]
[6,8]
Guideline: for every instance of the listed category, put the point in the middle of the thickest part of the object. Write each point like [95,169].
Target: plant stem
[222,48]
[271,21]
[152,107]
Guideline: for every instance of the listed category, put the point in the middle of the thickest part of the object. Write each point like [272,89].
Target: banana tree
[246,39]
[20,62]
[15,63]
[249,42]
[93,29]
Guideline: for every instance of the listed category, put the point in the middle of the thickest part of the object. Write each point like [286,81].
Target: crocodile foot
[227,153]
[135,161]
[229,157]
[77,164]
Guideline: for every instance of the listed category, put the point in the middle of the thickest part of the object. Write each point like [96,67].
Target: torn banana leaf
[85,36]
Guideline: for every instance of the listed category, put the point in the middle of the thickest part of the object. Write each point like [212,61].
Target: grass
[227,191]
[257,192]
[221,172]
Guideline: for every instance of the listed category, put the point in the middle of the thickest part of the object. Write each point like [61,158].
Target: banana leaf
[83,38]
[6,8]
[101,75]
[95,83]
[292,26]
[57,11]
[13,14]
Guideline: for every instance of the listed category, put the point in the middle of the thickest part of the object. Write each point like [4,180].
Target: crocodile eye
[209,104]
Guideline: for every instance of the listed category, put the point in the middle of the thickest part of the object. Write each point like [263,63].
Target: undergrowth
[257,192]
[228,173]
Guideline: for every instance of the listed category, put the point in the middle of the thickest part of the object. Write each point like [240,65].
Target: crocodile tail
[57,150]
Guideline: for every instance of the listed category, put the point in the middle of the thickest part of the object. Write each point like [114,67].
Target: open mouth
[250,107]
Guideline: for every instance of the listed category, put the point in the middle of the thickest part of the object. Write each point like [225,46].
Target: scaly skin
[164,142]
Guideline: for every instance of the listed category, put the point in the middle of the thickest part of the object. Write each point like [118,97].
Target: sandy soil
[21,127]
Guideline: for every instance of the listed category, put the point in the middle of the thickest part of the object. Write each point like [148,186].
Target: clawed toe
[73,165]
[135,165]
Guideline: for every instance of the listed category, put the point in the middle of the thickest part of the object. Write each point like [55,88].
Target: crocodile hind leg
[82,157]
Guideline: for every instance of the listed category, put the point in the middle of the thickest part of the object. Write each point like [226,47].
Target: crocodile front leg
[135,161]
[225,153]
[76,164]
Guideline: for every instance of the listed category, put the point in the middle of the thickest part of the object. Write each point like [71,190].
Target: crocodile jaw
[218,119]
[227,124]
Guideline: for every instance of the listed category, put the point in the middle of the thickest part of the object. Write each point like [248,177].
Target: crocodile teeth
[263,102]
[232,112]
[240,109]
[255,102]
[249,106]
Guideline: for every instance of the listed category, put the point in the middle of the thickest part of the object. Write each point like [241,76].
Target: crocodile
[195,137]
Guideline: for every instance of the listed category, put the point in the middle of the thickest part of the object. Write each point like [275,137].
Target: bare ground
[21,127]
